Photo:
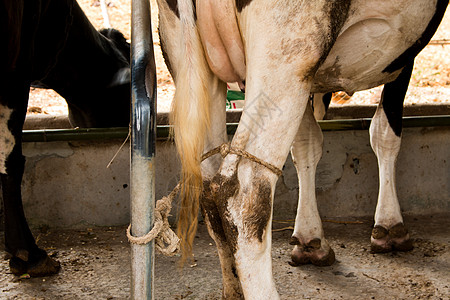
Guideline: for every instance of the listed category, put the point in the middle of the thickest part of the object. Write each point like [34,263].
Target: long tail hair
[191,120]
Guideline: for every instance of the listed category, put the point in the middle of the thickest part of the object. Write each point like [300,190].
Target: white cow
[283,51]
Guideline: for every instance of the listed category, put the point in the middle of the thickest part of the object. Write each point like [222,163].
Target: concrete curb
[34,122]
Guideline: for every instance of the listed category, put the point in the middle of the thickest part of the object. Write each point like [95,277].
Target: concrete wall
[67,184]
[347,175]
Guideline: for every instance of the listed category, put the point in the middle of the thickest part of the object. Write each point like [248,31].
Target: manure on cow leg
[310,253]
[43,265]
[386,240]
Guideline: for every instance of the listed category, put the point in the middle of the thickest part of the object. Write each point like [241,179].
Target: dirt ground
[96,265]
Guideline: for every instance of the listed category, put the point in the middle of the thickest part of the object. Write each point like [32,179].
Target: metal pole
[143,136]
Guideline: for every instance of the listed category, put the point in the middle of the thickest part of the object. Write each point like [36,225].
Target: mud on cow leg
[245,205]
[395,238]
[211,203]
[239,217]
[311,252]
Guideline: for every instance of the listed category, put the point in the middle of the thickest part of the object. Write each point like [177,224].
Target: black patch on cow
[214,204]
[227,190]
[412,51]
[240,4]
[392,98]
[336,12]
[211,213]
[56,45]
[326,99]
[48,49]
[120,43]
[258,208]
[11,14]
[173,5]
[234,271]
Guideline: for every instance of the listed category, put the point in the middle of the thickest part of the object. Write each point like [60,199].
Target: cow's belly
[375,34]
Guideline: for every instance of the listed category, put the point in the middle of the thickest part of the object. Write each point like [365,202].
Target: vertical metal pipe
[143,136]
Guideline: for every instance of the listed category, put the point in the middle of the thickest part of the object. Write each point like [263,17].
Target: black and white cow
[51,43]
[283,50]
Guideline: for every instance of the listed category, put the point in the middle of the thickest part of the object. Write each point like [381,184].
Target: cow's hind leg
[389,232]
[19,242]
[244,204]
[280,67]
[244,187]
[211,212]
[209,203]
[308,238]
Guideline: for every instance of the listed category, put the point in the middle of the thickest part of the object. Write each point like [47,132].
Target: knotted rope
[226,149]
[166,241]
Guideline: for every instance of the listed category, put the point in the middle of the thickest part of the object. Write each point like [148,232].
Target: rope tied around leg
[226,149]
[166,241]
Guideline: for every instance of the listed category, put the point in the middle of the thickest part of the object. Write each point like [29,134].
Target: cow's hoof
[385,240]
[42,265]
[311,253]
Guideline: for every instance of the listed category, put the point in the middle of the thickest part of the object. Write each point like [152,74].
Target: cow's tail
[191,120]
[11,14]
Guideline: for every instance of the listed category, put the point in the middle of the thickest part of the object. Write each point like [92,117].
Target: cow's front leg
[19,242]
[389,233]
[308,238]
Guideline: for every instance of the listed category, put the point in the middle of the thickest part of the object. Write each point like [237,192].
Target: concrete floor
[95,265]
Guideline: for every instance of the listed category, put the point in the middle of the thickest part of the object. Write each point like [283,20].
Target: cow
[52,44]
[283,51]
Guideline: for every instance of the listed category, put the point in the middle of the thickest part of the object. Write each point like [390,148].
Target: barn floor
[95,265]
